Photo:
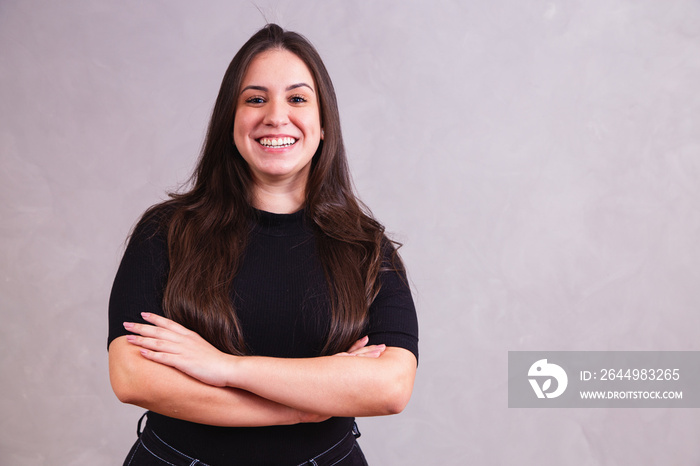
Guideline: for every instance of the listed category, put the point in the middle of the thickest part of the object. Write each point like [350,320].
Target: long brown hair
[208,225]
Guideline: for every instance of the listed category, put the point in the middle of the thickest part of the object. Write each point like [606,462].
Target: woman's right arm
[164,390]
[156,387]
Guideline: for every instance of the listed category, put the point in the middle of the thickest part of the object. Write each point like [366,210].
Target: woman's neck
[278,199]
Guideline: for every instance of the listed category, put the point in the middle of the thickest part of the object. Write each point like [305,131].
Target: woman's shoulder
[153,223]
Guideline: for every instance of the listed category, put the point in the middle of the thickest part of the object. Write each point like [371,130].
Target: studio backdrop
[539,160]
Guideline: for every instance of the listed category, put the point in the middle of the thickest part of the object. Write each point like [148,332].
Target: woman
[255,315]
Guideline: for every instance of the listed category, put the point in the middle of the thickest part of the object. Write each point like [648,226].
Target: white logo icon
[543,369]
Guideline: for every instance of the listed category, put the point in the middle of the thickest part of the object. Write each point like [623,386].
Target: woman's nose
[276,113]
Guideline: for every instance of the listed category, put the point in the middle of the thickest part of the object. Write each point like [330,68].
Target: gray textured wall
[539,159]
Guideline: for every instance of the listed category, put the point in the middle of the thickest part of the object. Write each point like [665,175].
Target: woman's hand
[169,343]
[359,348]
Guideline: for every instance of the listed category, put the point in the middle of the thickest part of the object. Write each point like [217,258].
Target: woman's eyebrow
[298,85]
[255,88]
[265,89]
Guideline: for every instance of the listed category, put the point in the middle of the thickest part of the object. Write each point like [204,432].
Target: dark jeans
[151,450]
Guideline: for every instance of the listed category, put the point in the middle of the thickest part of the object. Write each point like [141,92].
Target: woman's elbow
[399,386]
[122,391]
[124,388]
[399,397]
[122,375]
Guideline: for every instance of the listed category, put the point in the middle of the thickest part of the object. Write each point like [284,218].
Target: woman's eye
[254,100]
[297,99]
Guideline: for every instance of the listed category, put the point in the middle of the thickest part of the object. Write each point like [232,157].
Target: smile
[277,142]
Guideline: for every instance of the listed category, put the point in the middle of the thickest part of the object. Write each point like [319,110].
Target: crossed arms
[171,370]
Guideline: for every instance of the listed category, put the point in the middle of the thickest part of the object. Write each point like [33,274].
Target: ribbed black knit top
[280,296]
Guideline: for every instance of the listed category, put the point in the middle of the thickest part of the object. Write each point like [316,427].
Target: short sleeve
[392,315]
[140,280]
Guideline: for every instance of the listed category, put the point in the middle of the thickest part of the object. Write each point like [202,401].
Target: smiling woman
[277,128]
[257,313]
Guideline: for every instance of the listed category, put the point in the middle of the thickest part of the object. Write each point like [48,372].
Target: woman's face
[277,126]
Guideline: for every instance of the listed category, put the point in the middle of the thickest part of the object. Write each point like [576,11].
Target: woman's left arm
[331,385]
[339,385]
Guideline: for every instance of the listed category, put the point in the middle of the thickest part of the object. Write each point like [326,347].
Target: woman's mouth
[277,142]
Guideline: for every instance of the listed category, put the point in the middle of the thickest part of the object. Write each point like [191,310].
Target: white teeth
[277,142]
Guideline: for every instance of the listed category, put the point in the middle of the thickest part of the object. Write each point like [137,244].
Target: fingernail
[145,315]
[128,325]
[130,338]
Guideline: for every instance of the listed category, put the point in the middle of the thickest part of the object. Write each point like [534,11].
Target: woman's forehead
[278,69]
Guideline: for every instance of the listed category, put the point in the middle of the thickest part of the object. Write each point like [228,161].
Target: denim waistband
[156,447]
[337,452]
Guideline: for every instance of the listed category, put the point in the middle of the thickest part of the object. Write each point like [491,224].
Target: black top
[280,296]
